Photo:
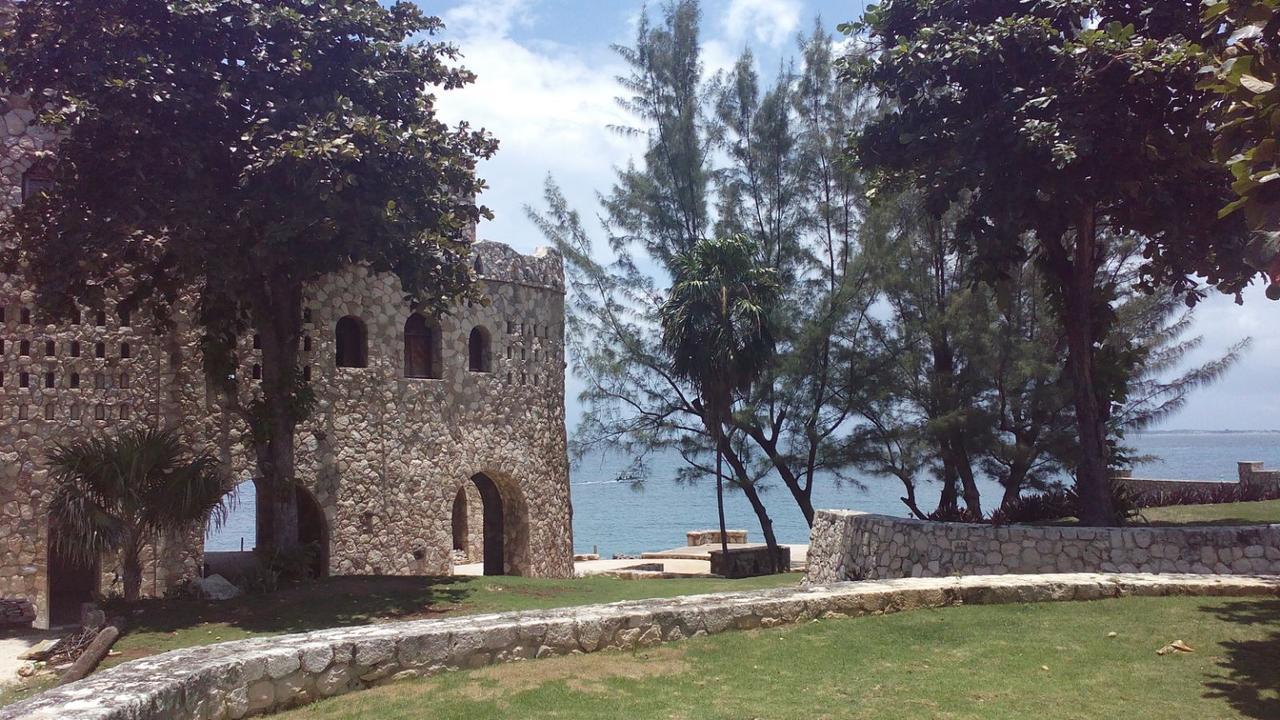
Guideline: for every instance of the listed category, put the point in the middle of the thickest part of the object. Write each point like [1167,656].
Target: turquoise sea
[614,517]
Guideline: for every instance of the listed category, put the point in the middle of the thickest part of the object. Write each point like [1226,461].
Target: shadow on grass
[1250,681]
[330,602]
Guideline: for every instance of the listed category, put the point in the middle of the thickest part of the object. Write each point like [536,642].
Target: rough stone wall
[383,455]
[263,675]
[1250,474]
[848,545]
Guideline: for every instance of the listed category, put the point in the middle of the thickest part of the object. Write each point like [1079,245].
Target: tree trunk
[799,493]
[279,327]
[762,513]
[1077,279]
[131,566]
[948,498]
[724,531]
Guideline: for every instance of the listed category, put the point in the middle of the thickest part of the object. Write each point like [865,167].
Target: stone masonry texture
[383,456]
[848,545]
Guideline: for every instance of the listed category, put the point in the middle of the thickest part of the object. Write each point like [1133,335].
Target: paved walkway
[13,646]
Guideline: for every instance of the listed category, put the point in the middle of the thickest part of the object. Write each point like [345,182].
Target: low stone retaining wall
[1249,474]
[848,545]
[232,680]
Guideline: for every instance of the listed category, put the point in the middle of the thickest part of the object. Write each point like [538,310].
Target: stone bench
[697,538]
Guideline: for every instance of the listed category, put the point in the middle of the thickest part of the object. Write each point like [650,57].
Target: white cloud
[773,22]
[549,105]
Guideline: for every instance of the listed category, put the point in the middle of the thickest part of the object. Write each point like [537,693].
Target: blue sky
[546,90]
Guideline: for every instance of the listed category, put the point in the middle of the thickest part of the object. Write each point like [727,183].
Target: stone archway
[313,530]
[461,536]
[489,520]
[495,561]
[71,582]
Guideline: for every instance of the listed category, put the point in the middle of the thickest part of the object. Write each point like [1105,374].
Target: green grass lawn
[161,625]
[1244,513]
[1045,661]
[157,626]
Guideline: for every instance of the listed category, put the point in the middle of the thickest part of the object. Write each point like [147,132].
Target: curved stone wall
[849,545]
[232,680]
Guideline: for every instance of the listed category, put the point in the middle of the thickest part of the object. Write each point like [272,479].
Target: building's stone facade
[849,545]
[262,675]
[383,456]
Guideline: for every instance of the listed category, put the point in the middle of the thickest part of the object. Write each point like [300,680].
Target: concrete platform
[692,561]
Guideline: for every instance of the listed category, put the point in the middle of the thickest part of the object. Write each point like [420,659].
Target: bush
[956,515]
[1051,504]
[291,564]
[1228,493]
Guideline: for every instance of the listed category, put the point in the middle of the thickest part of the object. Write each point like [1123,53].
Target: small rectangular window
[48,412]
[49,380]
[24,316]
[75,412]
[124,318]
[49,348]
[24,380]
[99,412]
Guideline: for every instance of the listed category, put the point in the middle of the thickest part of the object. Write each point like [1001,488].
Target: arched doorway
[460,525]
[313,528]
[71,581]
[494,525]
[314,531]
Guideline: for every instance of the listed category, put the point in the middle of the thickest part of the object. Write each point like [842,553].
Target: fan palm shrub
[716,331]
[119,493]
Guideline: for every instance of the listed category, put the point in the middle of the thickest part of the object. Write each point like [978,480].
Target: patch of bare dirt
[582,673]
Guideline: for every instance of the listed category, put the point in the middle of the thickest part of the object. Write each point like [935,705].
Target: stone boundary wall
[1249,474]
[849,545]
[235,679]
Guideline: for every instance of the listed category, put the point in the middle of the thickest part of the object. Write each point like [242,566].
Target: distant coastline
[1207,432]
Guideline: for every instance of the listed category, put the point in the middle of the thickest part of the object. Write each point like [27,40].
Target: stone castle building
[434,440]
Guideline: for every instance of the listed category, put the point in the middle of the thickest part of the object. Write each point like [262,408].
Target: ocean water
[611,517]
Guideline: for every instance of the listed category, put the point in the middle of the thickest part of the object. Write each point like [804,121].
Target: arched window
[352,343]
[421,348]
[479,267]
[478,350]
[36,180]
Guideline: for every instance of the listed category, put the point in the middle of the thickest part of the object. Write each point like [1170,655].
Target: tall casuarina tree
[716,332]
[1065,122]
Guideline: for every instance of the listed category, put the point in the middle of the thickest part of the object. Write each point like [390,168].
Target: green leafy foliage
[1058,125]
[116,494]
[1242,70]
[237,150]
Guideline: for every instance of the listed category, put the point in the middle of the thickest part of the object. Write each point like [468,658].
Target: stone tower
[434,439]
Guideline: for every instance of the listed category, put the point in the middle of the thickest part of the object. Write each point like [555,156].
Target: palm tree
[716,331]
[120,493]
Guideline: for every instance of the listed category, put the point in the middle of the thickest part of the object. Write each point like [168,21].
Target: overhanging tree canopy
[238,149]
[1064,121]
